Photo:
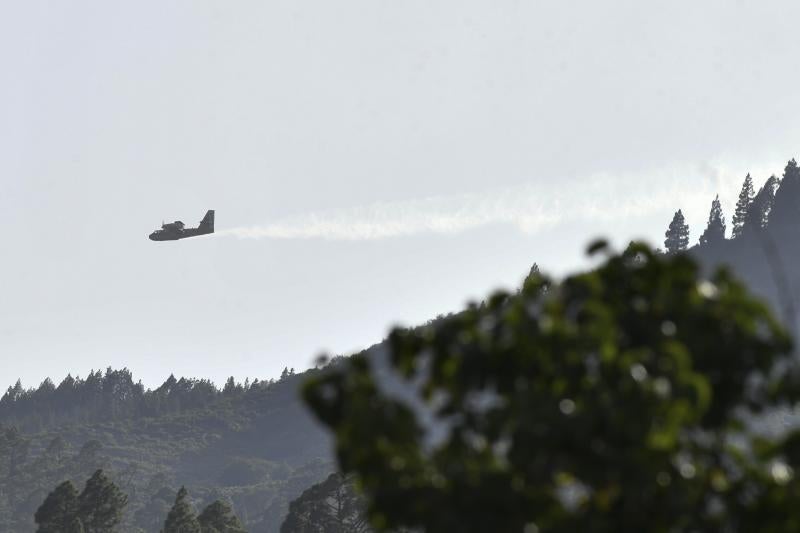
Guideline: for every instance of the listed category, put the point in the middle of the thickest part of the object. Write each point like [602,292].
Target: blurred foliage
[616,400]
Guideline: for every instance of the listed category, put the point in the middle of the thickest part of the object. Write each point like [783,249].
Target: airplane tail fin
[207,224]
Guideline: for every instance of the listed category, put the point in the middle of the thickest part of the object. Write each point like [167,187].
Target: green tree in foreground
[677,235]
[218,517]
[332,506]
[101,504]
[612,402]
[181,518]
[59,512]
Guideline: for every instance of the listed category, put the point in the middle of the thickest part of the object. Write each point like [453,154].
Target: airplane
[176,230]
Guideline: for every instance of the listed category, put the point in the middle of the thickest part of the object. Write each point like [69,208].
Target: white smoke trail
[531,209]
[394,219]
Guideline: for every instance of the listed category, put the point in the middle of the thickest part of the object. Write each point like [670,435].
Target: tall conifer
[760,212]
[786,209]
[58,512]
[331,505]
[715,231]
[677,236]
[218,517]
[742,205]
[100,505]
[181,518]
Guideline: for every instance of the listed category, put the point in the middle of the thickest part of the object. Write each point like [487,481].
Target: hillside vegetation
[253,445]
[256,448]
[762,243]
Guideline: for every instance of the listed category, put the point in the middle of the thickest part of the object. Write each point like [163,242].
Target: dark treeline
[251,445]
[758,243]
[249,452]
[113,395]
[100,507]
[777,202]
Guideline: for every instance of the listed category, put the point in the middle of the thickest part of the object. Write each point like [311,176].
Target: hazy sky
[371,162]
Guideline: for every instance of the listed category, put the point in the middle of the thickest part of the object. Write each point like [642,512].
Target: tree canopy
[256,448]
[677,235]
[786,208]
[59,511]
[182,518]
[715,230]
[101,504]
[218,517]
[760,211]
[616,400]
[98,509]
[331,506]
[742,205]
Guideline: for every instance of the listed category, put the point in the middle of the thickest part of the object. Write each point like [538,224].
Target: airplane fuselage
[176,230]
[174,235]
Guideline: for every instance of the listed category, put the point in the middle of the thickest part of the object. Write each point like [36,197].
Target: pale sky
[370,162]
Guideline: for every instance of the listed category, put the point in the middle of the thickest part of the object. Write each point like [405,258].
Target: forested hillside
[762,243]
[254,444]
[251,444]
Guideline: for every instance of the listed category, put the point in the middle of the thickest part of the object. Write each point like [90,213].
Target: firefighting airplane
[176,230]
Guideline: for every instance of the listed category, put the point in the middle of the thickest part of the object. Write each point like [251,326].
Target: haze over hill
[763,247]
[373,163]
[251,444]
[526,128]
[255,444]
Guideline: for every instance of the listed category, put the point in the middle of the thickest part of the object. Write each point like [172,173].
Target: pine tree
[535,276]
[14,393]
[100,505]
[715,231]
[677,236]
[332,505]
[786,209]
[181,518]
[760,212]
[230,387]
[742,205]
[59,511]
[218,517]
